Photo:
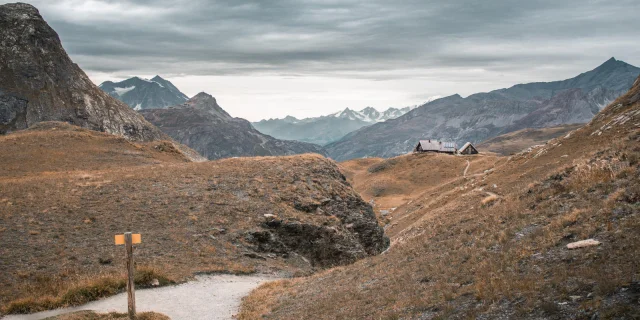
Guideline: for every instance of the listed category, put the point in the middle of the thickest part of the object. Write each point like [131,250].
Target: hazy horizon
[313,58]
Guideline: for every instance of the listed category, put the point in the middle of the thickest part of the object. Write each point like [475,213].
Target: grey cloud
[370,39]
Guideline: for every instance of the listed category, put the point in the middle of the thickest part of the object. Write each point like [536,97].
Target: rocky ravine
[203,125]
[39,82]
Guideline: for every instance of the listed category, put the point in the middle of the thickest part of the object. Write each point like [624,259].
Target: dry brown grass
[65,194]
[54,292]
[517,141]
[394,182]
[62,147]
[451,257]
[258,304]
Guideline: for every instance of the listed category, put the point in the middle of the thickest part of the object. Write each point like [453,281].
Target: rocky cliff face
[485,115]
[203,125]
[141,93]
[39,82]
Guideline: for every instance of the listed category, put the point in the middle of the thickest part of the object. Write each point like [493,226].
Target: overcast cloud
[266,59]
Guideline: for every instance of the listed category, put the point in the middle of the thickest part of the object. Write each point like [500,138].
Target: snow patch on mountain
[144,93]
[121,91]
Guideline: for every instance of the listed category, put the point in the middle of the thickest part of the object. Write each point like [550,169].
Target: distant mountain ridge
[141,93]
[326,129]
[485,115]
[203,125]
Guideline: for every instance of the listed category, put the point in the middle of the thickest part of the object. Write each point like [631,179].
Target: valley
[333,217]
[493,244]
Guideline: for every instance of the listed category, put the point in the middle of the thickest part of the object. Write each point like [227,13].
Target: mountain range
[39,82]
[203,125]
[329,128]
[481,116]
[141,93]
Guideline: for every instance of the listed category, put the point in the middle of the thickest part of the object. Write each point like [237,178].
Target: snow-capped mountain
[371,115]
[326,129]
[141,93]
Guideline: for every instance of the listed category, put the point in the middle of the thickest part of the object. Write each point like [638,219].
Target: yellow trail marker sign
[128,239]
[135,238]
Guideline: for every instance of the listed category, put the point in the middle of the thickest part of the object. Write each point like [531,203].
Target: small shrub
[381,166]
[550,308]
[378,190]
[93,290]
[30,305]
[145,275]
[86,291]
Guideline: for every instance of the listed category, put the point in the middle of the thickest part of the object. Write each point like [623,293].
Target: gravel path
[212,297]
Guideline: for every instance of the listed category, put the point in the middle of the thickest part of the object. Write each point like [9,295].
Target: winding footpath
[464,174]
[211,297]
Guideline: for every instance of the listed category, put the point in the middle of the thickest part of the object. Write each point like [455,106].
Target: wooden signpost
[128,239]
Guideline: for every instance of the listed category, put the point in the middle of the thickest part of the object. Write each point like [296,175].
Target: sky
[272,58]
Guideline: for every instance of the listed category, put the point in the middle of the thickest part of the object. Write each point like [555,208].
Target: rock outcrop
[325,245]
[39,82]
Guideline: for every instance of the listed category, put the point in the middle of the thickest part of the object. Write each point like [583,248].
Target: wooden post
[130,278]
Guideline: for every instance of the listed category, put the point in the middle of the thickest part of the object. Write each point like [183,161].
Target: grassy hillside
[65,192]
[495,244]
[514,142]
[390,184]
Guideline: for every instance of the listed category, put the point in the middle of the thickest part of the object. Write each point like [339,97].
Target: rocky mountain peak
[370,112]
[39,82]
[204,126]
[612,65]
[290,119]
[140,93]
[206,102]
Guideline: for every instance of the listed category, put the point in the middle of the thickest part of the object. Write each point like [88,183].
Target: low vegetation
[390,184]
[54,292]
[288,215]
[452,257]
[514,142]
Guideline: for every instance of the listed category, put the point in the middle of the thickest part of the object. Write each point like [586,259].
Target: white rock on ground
[583,244]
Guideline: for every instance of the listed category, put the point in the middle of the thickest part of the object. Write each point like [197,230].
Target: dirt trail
[212,297]
[464,174]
